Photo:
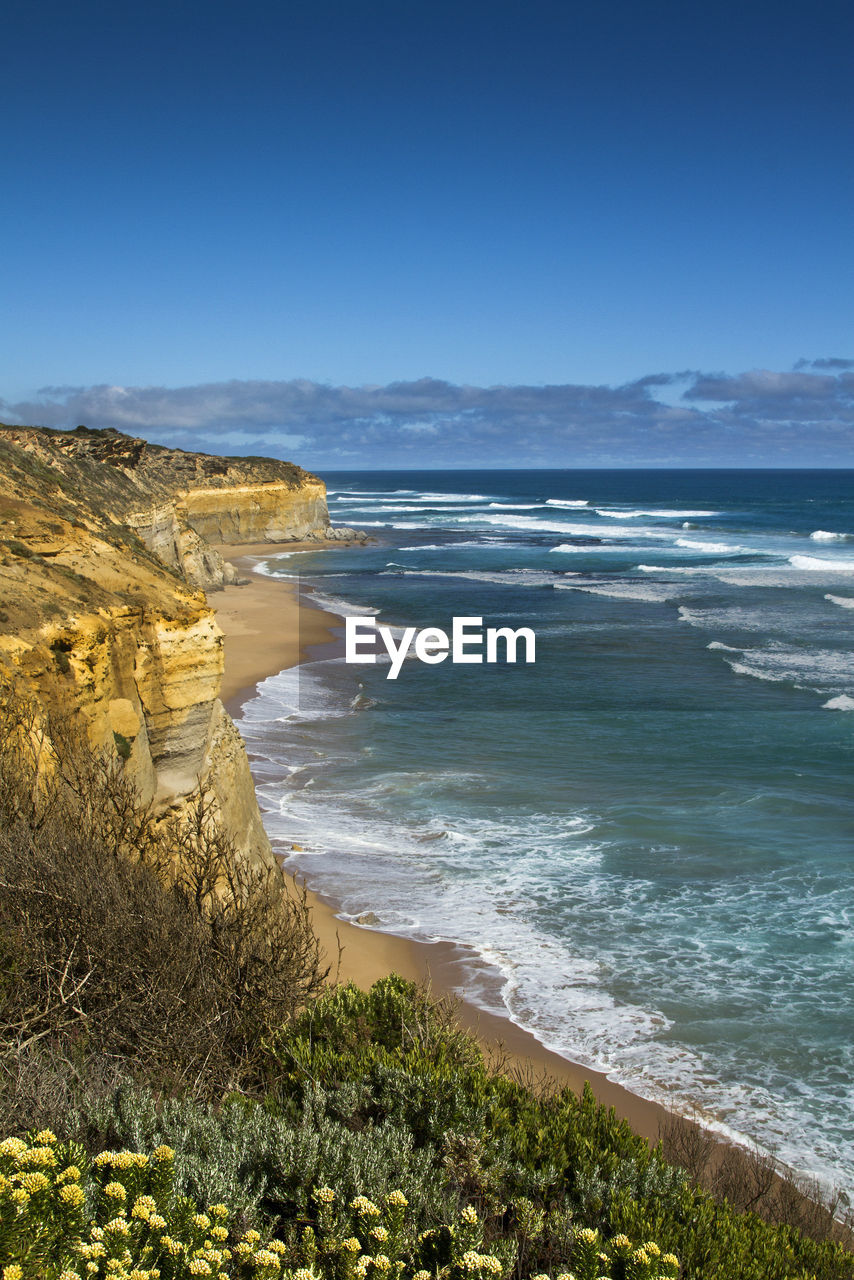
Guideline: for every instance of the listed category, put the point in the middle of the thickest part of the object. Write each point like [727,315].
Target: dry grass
[750,1179]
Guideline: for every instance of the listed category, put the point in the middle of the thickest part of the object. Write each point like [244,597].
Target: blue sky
[394,231]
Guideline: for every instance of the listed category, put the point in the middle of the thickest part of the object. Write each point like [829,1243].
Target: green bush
[119,1217]
[264,1163]
[499,1144]
[380,1089]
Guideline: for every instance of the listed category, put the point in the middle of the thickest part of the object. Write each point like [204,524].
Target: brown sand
[266,629]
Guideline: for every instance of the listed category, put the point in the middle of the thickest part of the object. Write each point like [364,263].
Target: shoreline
[267,628]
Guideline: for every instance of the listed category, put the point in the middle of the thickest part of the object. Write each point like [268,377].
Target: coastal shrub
[263,1162]
[257,925]
[568,1158]
[121,1216]
[154,943]
[412,1063]
[263,1159]
[752,1179]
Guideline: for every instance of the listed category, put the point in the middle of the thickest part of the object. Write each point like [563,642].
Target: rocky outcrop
[146,686]
[104,546]
[225,770]
[176,503]
[177,674]
[165,531]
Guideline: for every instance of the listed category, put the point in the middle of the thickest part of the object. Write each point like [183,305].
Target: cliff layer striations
[103,557]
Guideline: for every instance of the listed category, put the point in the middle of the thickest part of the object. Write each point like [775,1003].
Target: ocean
[647,834]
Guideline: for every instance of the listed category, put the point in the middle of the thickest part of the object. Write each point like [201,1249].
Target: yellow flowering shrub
[117,1217]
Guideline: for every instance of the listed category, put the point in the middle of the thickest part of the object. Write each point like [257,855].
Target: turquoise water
[648,832]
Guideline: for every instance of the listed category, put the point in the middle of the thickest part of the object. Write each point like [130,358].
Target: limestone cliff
[259,513]
[102,553]
[175,502]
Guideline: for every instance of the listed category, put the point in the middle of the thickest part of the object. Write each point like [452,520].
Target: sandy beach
[267,628]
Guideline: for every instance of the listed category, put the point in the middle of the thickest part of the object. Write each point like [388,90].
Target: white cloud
[752,419]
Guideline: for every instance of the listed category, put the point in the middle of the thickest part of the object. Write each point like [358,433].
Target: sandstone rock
[341,533]
[124,719]
[225,771]
[258,513]
[104,554]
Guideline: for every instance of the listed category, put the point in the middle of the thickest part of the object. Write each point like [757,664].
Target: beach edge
[267,628]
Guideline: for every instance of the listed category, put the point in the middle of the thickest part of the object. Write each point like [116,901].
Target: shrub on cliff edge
[127,939]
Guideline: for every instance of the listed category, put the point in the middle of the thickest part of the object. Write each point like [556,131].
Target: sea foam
[594,529]
[816,565]
[643,592]
[504,577]
[618,513]
[709,548]
[819,670]
[582,548]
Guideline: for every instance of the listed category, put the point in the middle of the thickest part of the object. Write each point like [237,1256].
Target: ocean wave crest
[502,577]
[825,671]
[617,513]
[816,565]
[597,529]
[709,548]
[643,592]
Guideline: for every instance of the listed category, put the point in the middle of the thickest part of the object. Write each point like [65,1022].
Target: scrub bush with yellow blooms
[369,1240]
[64,1216]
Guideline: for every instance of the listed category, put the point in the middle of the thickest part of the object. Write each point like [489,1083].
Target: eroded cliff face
[258,513]
[103,551]
[165,531]
[144,681]
[177,503]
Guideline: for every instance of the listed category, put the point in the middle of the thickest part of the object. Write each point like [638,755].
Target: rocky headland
[105,558]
